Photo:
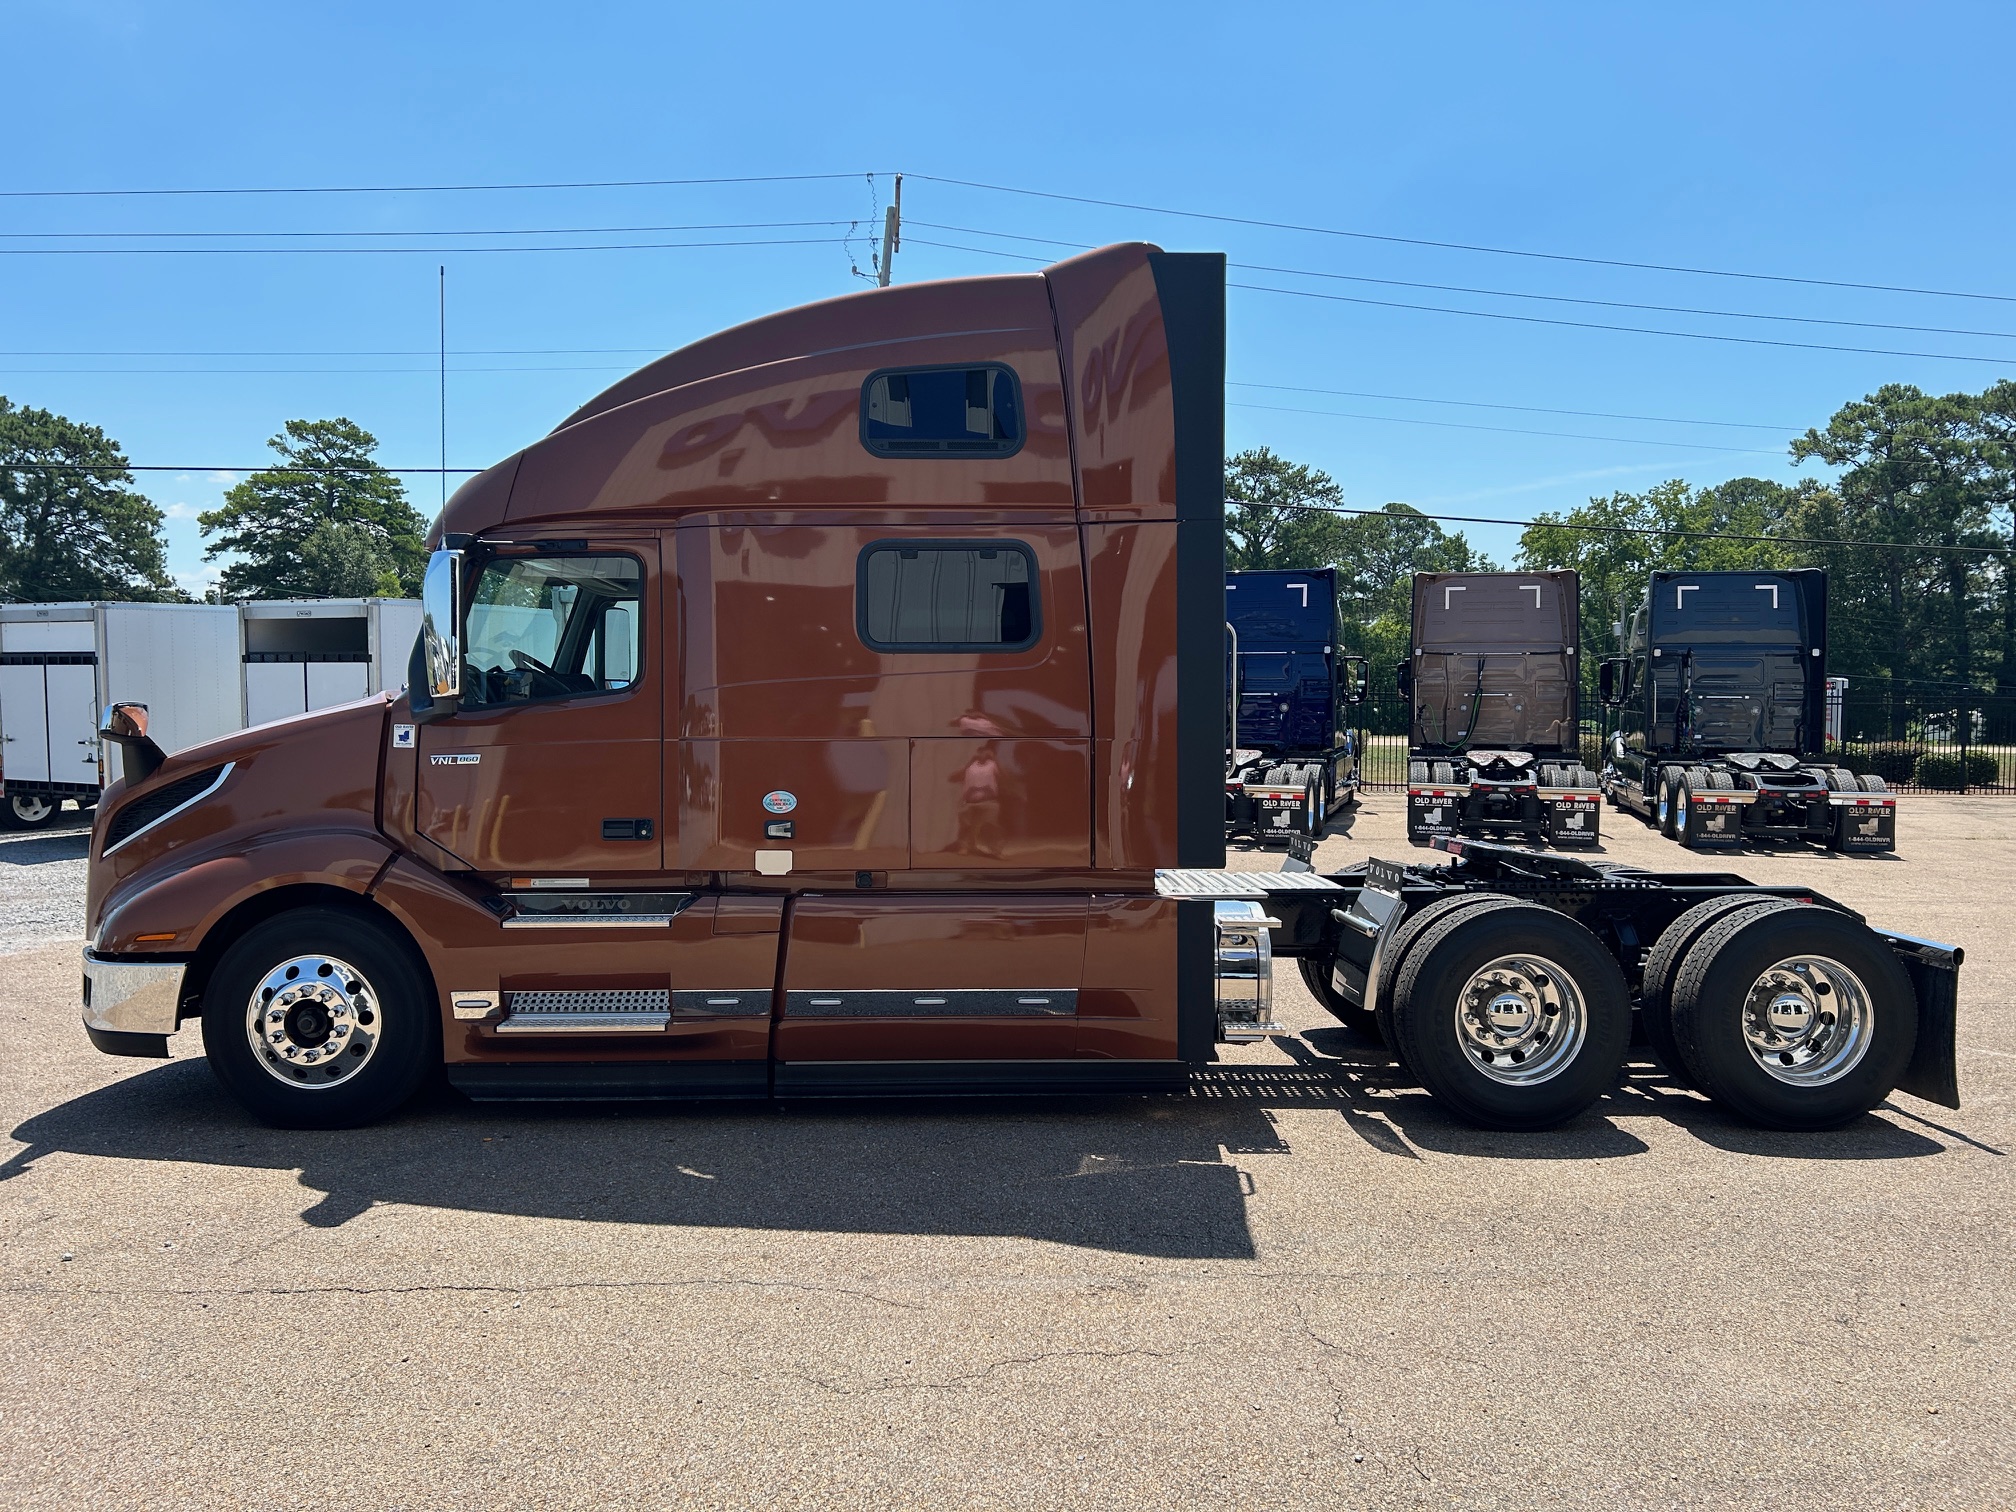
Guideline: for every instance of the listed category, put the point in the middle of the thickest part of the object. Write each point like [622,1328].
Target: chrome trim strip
[589,921]
[584,1023]
[132,997]
[953,1002]
[153,824]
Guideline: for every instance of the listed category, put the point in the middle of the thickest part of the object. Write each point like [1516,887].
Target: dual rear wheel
[1515,1016]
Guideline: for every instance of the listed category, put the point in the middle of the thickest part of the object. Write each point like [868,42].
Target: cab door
[551,765]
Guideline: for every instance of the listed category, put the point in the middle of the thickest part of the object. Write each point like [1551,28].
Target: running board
[639,1012]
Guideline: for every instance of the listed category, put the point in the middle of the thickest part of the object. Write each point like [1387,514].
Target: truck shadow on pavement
[38,847]
[1147,1176]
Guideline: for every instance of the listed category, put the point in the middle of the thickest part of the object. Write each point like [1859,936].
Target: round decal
[780,802]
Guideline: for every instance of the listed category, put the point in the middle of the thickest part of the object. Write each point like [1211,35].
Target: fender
[172,911]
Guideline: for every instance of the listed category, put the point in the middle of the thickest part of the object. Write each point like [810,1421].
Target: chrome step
[1230,884]
[646,1011]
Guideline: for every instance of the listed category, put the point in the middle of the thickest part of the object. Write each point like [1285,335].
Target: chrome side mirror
[441,637]
[125,725]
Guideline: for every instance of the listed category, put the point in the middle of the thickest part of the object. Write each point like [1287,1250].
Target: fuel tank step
[644,1011]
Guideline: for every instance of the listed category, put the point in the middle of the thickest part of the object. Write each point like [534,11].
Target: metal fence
[1918,737]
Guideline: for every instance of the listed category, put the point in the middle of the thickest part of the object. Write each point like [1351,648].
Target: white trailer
[303,654]
[61,665]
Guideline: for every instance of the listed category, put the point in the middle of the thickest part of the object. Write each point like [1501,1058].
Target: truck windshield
[552,627]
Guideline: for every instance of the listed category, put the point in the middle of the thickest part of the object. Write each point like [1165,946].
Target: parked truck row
[837,706]
[208,669]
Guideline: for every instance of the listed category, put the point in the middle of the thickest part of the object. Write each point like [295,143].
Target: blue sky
[1848,142]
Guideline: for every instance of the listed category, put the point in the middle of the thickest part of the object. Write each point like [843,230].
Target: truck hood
[317,770]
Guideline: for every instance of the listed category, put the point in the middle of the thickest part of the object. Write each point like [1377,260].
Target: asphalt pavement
[1301,1285]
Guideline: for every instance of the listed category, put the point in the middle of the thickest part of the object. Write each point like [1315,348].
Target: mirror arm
[125,725]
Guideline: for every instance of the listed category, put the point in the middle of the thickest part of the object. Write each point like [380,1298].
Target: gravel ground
[42,883]
[1300,1286]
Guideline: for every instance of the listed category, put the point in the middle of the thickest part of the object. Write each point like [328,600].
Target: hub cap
[30,808]
[1520,1020]
[1808,1021]
[313,1022]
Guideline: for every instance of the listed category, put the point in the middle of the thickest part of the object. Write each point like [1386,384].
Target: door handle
[626,829]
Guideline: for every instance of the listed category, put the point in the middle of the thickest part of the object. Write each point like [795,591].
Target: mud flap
[1865,825]
[1934,970]
[1432,812]
[1705,822]
[1571,818]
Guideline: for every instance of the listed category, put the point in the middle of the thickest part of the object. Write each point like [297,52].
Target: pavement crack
[961,1381]
[463,1288]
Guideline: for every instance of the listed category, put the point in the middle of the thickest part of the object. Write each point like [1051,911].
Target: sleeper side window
[947,596]
[552,627]
[942,412]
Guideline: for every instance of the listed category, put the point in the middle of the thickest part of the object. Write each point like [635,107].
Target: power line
[1507,430]
[1453,519]
[767,178]
[1590,325]
[799,241]
[1529,409]
[1649,530]
[1608,304]
[1447,246]
[338,235]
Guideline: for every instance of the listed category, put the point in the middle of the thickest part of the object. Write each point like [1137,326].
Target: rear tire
[1515,1017]
[1417,773]
[29,811]
[1655,991]
[1794,1018]
[1404,937]
[351,1048]
[1871,783]
[1445,773]
[1316,977]
[1841,780]
[1665,808]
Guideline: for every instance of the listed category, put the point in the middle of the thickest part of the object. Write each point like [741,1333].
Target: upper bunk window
[942,411]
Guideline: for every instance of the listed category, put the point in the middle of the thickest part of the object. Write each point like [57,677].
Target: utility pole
[443,306]
[892,235]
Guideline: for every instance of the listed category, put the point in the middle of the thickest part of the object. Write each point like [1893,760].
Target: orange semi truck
[835,707]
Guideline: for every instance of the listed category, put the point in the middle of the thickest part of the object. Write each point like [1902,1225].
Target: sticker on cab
[402,737]
[780,802]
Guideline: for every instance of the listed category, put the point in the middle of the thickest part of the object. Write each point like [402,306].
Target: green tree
[327,522]
[1996,422]
[1615,543]
[1377,557]
[72,526]
[1279,513]
[1912,476]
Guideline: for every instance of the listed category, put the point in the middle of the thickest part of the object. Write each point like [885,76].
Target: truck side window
[947,596]
[552,627]
[942,411]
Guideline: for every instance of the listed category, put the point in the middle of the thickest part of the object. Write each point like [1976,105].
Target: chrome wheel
[1521,1020]
[1808,1021]
[313,1022]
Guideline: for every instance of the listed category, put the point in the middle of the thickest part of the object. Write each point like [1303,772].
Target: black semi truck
[1717,705]
[1290,760]
[1491,678]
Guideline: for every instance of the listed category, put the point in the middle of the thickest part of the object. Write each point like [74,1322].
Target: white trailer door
[274,690]
[24,723]
[337,682]
[73,722]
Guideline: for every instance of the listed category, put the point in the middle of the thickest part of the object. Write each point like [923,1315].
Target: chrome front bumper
[132,997]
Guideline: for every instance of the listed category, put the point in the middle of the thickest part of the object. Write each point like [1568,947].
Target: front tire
[320,1019]
[1794,1018]
[1514,1017]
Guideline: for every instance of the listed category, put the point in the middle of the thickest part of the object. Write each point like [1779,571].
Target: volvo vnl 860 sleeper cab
[1719,698]
[1290,761]
[1492,684]
[835,706]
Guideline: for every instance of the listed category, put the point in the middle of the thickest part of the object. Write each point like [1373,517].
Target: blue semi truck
[1291,762]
